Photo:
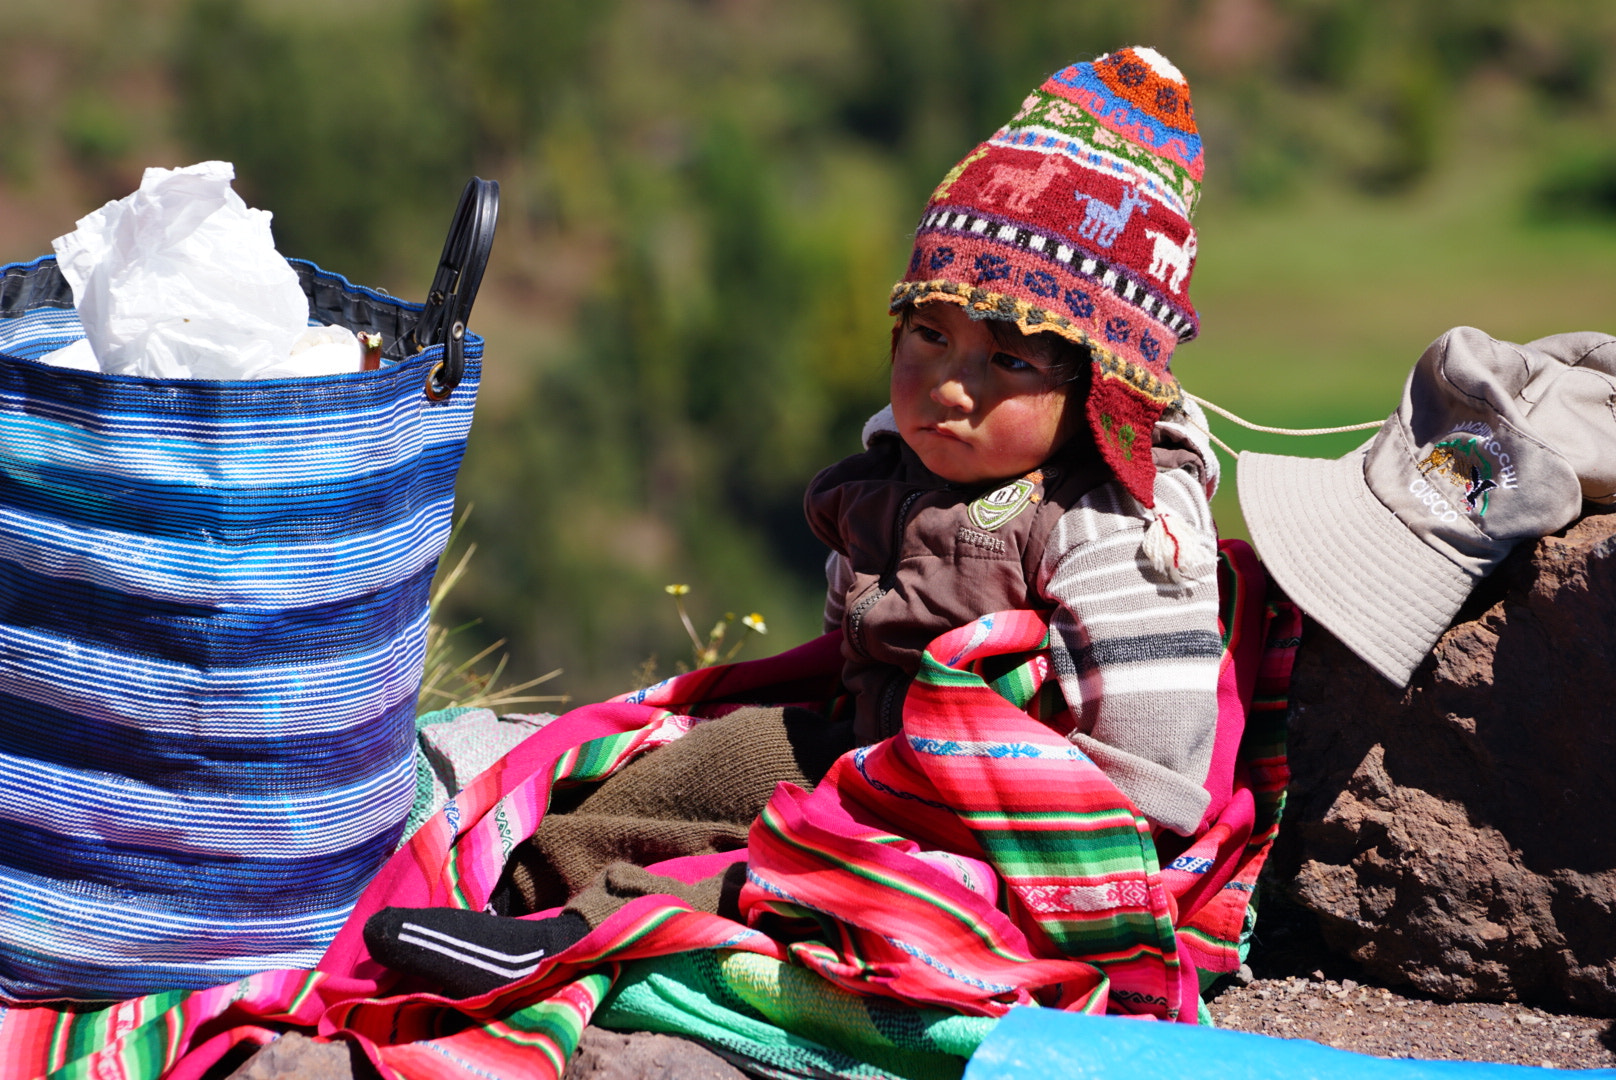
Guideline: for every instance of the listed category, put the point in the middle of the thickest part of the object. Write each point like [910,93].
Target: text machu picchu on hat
[1074,218]
[1493,443]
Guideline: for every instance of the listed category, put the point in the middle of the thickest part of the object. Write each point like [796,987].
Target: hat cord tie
[1247,424]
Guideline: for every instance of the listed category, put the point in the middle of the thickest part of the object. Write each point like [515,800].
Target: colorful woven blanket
[932,881]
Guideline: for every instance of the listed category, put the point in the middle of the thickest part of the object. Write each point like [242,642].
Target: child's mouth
[939,430]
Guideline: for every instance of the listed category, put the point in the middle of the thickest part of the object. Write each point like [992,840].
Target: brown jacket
[928,556]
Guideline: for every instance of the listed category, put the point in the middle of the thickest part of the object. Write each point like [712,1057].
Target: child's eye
[1010,362]
[928,334]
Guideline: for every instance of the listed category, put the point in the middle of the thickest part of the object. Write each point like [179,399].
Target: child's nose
[951,392]
[953,386]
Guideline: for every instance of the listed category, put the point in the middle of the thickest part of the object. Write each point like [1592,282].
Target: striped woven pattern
[877,842]
[213,604]
[1088,923]
[979,860]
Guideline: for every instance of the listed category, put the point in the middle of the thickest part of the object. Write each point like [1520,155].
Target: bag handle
[454,286]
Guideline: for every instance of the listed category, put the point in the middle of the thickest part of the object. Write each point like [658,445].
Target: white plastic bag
[319,350]
[181,280]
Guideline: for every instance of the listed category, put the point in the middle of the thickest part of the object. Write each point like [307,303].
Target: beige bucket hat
[1493,443]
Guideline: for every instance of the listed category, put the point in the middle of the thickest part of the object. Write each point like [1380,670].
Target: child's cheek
[1044,424]
[908,392]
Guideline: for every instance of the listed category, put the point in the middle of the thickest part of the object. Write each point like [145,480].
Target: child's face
[971,408]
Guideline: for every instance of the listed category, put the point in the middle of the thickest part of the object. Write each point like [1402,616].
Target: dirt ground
[1299,991]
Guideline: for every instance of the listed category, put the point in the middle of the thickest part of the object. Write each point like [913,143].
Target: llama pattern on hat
[1170,261]
[1017,186]
[1102,222]
[1077,138]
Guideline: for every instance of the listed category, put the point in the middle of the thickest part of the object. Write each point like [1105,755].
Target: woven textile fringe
[875,890]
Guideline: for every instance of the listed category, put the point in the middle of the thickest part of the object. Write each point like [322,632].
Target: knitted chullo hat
[1075,218]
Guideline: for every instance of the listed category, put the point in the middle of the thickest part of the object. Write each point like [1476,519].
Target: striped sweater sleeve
[838,579]
[1137,653]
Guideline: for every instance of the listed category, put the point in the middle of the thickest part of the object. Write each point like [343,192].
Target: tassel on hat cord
[1161,547]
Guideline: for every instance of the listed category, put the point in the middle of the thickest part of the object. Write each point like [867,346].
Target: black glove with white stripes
[467,952]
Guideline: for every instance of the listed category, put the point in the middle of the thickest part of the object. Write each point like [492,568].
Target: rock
[298,1057]
[601,1055]
[614,1055]
[1460,835]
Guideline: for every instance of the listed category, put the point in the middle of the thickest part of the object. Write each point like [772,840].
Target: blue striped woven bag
[213,613]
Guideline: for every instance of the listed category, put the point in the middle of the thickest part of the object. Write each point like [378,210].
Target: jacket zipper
[887,721]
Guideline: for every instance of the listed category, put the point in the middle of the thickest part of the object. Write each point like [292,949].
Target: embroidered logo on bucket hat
[1493,443]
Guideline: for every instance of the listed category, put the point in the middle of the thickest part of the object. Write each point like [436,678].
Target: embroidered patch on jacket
[995,508]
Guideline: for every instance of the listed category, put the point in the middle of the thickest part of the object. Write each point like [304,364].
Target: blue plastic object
[1043,1044]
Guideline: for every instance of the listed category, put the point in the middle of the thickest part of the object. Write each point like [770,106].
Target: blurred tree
[347,126]
[705,203]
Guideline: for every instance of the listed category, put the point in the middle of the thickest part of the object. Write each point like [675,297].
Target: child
[1037,454]
[1029,364]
